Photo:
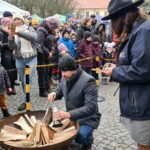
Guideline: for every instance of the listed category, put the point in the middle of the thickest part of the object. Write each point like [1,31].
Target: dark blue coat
[133,73]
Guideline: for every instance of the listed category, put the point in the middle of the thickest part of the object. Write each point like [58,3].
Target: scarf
[25,46]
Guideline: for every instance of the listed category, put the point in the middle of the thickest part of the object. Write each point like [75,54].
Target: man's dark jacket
[80,94]
[133,73]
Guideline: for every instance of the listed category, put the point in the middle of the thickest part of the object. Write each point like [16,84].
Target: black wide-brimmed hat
[116,7]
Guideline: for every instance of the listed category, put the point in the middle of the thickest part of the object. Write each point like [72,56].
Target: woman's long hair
[122,25]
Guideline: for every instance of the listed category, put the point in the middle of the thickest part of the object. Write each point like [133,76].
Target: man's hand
[108,70]
[61,115]
[107,65]
[50,55]
[52,96]
[10,90]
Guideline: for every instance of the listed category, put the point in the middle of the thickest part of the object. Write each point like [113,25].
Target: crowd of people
[51,42]
[32,43]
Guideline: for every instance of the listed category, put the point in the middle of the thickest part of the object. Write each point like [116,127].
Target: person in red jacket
[85,51]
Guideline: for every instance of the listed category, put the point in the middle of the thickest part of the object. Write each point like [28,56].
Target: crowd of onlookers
[34,43]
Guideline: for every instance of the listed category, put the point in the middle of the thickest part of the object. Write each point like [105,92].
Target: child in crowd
[5,86]
[62,49]
[84,51]
[108,57]
[73,37]
[97,51]
[65,39]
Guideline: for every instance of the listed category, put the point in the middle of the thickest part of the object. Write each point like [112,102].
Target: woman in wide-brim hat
[132,70]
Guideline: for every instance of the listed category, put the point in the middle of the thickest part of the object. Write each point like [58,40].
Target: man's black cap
[67,63]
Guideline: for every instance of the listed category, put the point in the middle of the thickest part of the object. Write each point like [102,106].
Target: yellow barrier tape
[48,65]
[79,60]
[109,59]
[84,59]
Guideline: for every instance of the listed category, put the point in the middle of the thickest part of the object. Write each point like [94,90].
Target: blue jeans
[20,64]
[85,135]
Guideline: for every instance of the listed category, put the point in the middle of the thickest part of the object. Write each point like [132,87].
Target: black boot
[22,107]
[6,114]
[88,147]
[43,94]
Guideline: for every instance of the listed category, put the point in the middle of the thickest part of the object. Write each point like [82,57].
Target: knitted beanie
[6,21]
[18,16]
[35,21]
[7,14]
[62,47]
[52,22]
[65,31]
[87,34]
[67,63]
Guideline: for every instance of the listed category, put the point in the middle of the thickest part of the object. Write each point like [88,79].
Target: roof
[4,6]
[92,4]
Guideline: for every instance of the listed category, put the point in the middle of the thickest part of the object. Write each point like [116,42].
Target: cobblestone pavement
[110,135]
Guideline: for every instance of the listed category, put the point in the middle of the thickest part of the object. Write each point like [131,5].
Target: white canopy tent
[4,6]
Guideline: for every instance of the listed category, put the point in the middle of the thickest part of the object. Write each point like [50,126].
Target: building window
[87,14]
[97,13]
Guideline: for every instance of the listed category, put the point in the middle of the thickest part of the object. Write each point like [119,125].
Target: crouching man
[80,93]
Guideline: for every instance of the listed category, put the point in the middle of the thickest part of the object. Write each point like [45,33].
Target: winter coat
[97,51]
[133,73]
[85,50]
[80,94]
[69,44]
[107,57]
[46,40]
[7,58]
[29,35]
[80,32]
[4,80]
[102,35]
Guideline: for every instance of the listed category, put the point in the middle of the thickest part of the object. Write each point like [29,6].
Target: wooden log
[65,123]
[64,136]
[24,144]
[31,137]
[42,139]
[24,125]
[29,120]
[7,136]
[37,131]
[33,119]
[14,130]
[65,131]
[48,116]
[45,132]
[51,132]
